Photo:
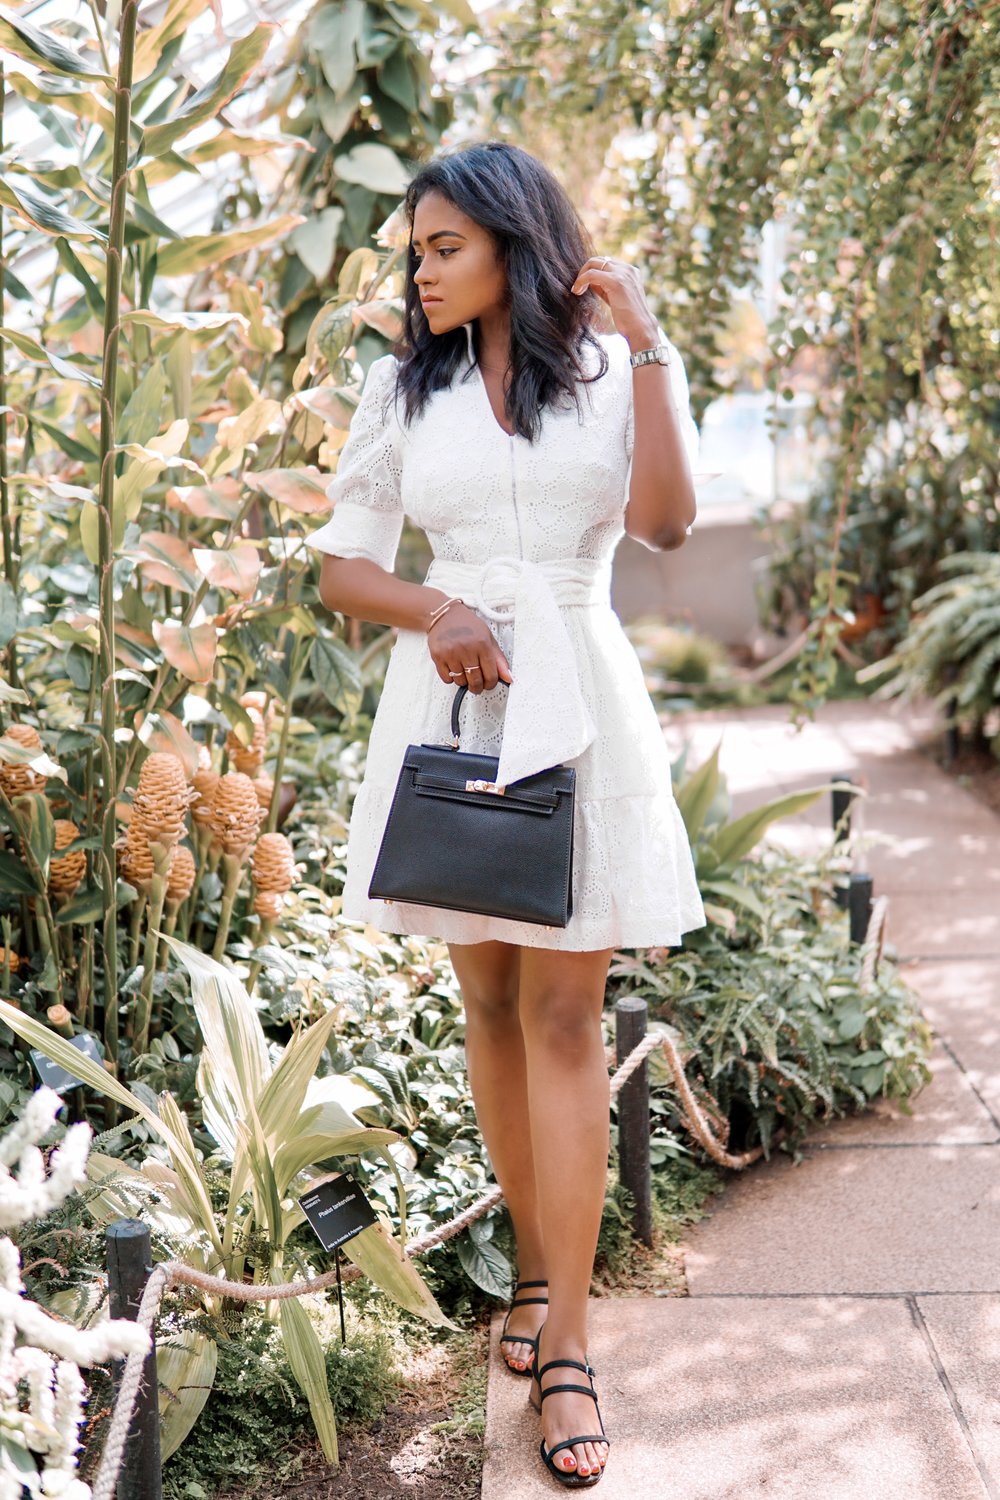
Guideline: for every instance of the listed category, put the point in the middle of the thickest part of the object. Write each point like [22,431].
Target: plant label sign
[337,1210]
[58,1078]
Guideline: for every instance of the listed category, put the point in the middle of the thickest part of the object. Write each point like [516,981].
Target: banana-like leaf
[33,350]
[46,215]
[201,250]
[305,1355]
[267,1199]
[203,105]
[279,1103]
[59,1051]
[378,1255]
[149,44]
[15,877]
[696,793]
[309,1150]
[185,1368]
[83,103]
[192,1192]
[46,51]
[737,838]
[229,1024]
[207,323]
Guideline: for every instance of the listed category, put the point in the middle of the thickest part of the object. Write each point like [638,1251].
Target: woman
[524,443]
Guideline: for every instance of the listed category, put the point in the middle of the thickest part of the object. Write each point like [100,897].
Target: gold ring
[457,674]
[606,264]
[474,668]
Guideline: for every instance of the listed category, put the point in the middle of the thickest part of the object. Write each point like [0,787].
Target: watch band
[659,354]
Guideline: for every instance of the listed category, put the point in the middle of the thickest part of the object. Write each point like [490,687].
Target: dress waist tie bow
[546,720]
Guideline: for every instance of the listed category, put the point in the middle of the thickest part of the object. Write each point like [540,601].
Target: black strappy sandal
[521,1338]
[571,1477]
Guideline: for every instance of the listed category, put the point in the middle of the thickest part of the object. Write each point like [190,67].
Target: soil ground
[420,1446]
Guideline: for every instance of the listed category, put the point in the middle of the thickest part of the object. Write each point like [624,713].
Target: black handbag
[455,839]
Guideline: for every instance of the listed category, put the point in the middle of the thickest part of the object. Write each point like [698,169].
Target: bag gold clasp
[485,786]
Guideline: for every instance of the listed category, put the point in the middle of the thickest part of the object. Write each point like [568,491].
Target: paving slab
[724,1398]
[946,1111]
[905,1219]
[962,1003]
[965,1332]
[945,925]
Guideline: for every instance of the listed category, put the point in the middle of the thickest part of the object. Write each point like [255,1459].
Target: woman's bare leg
[560,1001]
[488,974]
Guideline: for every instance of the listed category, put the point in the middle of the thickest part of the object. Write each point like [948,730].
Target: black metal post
[841,798]
[952,735]
[633,1116]
[859,904]
[130,1261]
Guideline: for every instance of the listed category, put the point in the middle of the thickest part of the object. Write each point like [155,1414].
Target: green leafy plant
[274,1125]
[720,843]
[951,652]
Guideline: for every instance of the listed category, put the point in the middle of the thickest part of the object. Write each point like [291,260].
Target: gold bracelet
[441,609]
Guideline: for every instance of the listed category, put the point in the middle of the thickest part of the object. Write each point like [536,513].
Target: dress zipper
[513,496]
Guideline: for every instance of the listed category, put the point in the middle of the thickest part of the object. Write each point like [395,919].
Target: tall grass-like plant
[277,1128]
[105,663]
[156,482]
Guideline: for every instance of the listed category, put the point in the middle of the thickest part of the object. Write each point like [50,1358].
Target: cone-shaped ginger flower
[11,959]
[136,859]
[204,784]
[236,814]
[17,780]
[180,880]
[161,798]
[264,787]
[66,871]
[273,873]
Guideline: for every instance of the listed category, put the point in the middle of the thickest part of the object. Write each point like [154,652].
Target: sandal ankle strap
[574,1363]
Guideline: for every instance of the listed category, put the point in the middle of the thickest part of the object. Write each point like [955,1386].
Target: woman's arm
[661,504]
[458,640]
[360,588]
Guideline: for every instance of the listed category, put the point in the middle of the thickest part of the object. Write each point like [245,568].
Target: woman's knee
[491,1003]
[561,1018]
[489,985]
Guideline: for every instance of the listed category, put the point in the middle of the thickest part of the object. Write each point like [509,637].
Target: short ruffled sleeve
[367,518]
[682,401]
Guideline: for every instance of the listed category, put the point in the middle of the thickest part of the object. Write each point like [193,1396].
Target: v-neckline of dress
[486,398]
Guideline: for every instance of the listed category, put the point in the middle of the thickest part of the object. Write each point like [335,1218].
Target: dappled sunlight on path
[841,1336]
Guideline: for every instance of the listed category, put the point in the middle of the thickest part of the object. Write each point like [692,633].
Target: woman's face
[456,265]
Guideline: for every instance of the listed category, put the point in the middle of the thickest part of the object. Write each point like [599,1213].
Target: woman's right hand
[465,651]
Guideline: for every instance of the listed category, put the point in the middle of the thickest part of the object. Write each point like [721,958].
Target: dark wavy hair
[541,245]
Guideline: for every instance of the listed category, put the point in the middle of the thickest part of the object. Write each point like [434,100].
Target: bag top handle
[456,705]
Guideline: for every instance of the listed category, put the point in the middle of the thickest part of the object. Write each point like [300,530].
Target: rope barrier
[175,1273]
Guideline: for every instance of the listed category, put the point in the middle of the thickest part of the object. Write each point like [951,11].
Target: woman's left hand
[620,286]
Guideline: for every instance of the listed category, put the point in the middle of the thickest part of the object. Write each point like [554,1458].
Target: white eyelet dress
[524,533]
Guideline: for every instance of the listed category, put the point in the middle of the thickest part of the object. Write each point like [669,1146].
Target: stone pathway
[841,1336]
